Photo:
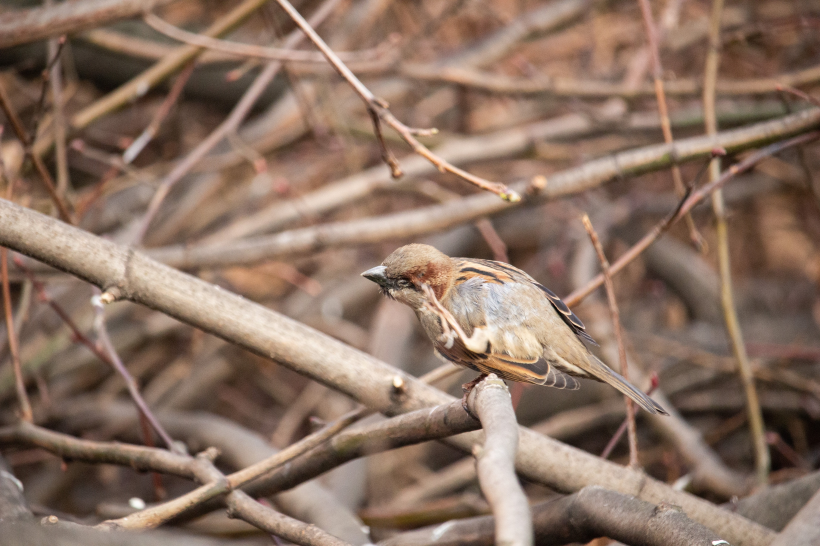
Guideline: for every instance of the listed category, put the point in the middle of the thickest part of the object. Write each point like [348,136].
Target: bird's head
[402,274]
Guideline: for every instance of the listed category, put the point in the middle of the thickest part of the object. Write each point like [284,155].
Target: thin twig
[22,396]
[39,166]
[794,91]
[619,338]
[148,134]
[756,425]
[663,111]
[247,50]
[379,112]
[130,382]
[625,424]
[493,239]
[51,62]
[55,48]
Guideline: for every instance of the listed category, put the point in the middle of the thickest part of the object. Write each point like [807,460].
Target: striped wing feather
[569,317]
[500,273]
[537,371]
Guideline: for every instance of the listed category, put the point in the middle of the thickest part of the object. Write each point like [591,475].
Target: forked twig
[378,110]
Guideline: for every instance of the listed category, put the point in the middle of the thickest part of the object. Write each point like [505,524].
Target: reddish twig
[616,326]
[621,429]
[493,239]
[113,358]
[794,91]
[46,78]
[686,205]
[109,357]
[22,396]
[39,166]
[663,111]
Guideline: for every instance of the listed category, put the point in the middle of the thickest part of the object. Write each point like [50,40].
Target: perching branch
[490,401]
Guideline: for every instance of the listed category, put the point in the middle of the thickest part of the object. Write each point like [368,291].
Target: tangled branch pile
[160,157]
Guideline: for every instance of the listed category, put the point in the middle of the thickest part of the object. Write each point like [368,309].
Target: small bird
[493,318]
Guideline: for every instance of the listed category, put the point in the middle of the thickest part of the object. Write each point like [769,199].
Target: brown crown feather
[421,264]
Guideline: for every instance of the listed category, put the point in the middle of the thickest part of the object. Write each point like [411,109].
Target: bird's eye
[403,283]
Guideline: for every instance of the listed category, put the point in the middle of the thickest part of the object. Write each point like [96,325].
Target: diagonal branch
[379,112]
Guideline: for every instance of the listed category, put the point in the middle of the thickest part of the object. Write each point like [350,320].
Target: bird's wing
[566,314]
[503,300]
[537,371]
[501,273]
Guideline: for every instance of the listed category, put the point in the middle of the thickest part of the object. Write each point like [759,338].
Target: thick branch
[491,401]
[591,513]
[804,529]
[30,25]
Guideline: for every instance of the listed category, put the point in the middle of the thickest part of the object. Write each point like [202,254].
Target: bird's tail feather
[608,375]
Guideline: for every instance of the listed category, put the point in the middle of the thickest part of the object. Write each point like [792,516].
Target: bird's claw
[467,389]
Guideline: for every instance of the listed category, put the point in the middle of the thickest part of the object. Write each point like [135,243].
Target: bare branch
[34,24]
[591,513]
[490,401]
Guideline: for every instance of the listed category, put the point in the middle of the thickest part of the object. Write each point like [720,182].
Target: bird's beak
[376,274]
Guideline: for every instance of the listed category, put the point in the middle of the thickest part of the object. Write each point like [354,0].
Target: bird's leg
[467,388]
[477,343]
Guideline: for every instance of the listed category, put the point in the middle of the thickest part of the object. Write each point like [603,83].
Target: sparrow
[492,317]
